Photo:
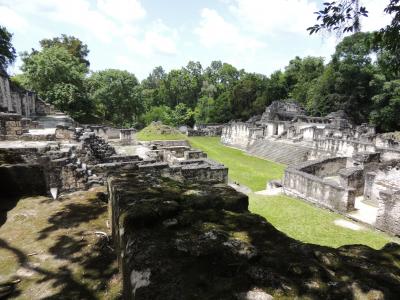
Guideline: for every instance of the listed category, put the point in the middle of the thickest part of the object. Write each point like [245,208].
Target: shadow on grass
[72,216]
[90,259]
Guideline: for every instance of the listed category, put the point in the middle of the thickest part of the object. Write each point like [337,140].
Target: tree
[58,77]
[7,51]
[386,105]
[344,16]
[301,74]
[117,96]
[157,113]
[345,83]
[74,46]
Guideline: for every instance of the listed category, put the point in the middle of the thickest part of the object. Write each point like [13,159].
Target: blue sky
[137,35]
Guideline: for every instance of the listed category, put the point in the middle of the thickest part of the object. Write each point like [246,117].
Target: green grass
[311,224]
[159,137]
[156,131]
[248,170]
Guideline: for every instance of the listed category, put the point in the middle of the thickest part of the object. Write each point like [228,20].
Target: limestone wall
[301,181]
[10,126]
[16,100]
[236,134]
[192,170]
[388,217]
[382,177]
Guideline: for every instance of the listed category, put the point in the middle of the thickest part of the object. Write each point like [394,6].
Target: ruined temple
[332,162]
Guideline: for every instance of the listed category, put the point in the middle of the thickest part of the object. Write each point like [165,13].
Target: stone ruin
[205,130]
[331,162]
[179,231]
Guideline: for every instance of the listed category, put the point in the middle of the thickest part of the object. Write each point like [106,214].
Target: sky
[137,35]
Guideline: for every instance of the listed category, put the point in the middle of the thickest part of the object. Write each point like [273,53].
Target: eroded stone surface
[200,242]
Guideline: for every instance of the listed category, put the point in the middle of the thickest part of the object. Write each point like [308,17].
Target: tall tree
[301,74]
[58,77]
[7,51]
[74,46]
[117,96]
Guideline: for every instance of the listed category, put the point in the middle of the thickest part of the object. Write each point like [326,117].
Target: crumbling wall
[301,181]
[10,126]
[388,217]
[236,134]
[381,177]
[199,241]
[14,99]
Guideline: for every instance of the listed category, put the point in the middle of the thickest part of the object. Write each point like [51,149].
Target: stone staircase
[280,152]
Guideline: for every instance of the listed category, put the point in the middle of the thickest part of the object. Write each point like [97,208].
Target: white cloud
[123,10]
[376,17]
[215,31]
[12,20]
[272,16]
[158,39]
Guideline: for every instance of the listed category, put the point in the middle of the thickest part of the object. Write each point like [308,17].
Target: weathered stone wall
[105,132]
[199,241]
[205,130]
[193,170]
[388,217]
[353,178]
[300,181]
[16,100]
[381,177]
[323,167]
[10,125]
[236,134]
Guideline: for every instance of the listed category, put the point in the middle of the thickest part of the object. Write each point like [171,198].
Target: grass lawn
[158,137]
[248,170]
[294,217]
[311,224]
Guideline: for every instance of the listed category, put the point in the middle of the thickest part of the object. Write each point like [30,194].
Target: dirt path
[57,249]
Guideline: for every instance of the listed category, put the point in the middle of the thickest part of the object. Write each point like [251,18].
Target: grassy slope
[155,132]
[294,217]
[248,170]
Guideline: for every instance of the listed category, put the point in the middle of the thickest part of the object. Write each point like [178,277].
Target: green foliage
[301,75]
[58,77]
[117,96]
[345,83]
[180,115]
[74,46]
[344,16]
[386,110]
[7,51]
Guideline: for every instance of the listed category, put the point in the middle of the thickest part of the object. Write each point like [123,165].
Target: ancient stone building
[332,162]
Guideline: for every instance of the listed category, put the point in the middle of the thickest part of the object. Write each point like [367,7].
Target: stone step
[279,152]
